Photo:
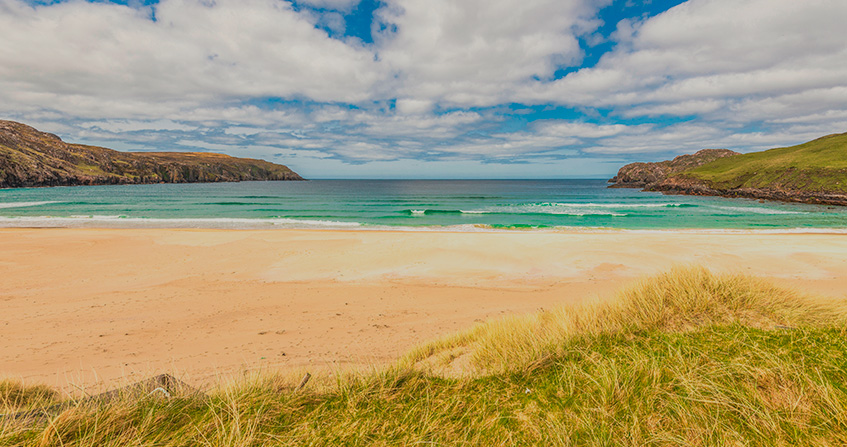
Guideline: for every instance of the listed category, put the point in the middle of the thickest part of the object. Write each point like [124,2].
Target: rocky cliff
[649,175]
[30,158]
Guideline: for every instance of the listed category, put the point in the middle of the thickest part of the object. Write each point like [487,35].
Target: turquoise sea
[467,205]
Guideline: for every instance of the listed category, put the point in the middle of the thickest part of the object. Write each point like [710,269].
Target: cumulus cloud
[477,52]
[94,55]
[265,78]
[134,125]
[583,130]
[707,56]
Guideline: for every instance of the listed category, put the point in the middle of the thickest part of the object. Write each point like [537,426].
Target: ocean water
[464,205]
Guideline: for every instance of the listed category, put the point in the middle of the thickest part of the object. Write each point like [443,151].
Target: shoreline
[96,307]
[286,224]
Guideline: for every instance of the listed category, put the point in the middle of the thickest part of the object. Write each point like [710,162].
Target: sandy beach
[96,307]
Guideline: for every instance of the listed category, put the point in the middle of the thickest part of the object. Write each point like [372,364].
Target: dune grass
[16,397]
[681,300]
[684,358]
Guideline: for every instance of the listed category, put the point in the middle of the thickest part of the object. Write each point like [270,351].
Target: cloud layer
[489,84]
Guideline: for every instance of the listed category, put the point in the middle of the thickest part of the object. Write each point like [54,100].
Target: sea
[410,205]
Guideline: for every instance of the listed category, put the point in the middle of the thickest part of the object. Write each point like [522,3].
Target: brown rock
[31,158]
[646,175]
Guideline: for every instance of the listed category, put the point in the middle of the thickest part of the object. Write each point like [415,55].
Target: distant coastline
[31,158]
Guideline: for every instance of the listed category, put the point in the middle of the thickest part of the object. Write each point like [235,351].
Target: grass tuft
[17,397]
[683,299]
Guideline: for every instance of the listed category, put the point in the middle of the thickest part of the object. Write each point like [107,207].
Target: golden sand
[81,306]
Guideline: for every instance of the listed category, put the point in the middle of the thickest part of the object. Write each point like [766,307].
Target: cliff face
[30,158]
[649,175]
[813,172]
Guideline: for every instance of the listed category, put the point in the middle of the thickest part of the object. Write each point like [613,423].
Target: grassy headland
[817,166]
[684,358]
[813,172]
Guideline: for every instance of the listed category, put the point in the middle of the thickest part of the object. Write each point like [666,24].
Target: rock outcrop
[30,158]
[649,175]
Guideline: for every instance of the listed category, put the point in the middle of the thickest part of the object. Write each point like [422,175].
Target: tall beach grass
[684,358]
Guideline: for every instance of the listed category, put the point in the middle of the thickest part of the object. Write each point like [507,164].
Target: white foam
[97,216]
[610,205]
[25,204]
[542,209]
[418,211]
[134,222]
[247,224]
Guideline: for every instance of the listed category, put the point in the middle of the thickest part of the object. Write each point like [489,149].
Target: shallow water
[471,205]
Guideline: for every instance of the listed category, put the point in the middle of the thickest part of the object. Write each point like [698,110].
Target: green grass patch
[817,166]
[89,169]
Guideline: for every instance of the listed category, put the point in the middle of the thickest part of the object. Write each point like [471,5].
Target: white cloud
[679,138]
[99,56]
[824,117]
[331,20]
[681,108]
[200,77]
[243,130]
[476,52]
[422,126]
[133,125]
[414,106]
[708,56]
[561,128]
[777,108]
[451,169]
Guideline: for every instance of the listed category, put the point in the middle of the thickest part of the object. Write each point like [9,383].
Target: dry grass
[685,358]
[683,299]
[16,396]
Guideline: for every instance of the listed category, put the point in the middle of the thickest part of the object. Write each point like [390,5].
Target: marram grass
[685,358]
[680,300]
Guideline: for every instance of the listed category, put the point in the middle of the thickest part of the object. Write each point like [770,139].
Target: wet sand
[101,307]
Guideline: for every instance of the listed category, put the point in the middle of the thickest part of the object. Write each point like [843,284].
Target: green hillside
[817,166]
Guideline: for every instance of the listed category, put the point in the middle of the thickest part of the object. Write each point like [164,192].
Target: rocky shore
[691,187]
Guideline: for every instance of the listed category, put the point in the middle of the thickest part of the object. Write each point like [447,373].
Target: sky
[428,88]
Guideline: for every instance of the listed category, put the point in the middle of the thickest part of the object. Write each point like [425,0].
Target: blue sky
[428,89]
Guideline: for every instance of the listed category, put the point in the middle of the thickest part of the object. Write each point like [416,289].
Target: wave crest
[26,204]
